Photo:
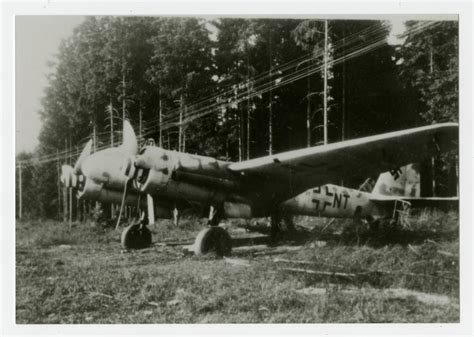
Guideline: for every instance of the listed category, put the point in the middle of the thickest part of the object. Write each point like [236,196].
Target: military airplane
[299,182]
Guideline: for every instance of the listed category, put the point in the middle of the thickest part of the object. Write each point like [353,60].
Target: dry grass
[81,276]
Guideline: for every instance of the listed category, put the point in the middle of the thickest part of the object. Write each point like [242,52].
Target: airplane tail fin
[404,181]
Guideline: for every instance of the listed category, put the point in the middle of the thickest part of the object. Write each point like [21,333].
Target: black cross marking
[316,202]
[329,194]
[317,190]
[326,203]
[396,172]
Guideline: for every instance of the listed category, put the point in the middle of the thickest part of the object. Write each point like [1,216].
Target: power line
[169,121]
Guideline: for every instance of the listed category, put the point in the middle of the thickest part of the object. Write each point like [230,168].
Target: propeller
[130,142]
[84,154]
[130,148]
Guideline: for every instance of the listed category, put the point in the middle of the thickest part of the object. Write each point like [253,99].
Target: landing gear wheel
[135,236]
[214,240]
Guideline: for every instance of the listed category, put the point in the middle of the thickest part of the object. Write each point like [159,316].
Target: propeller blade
[130,143]
[150,209]
[84,154]
[66,175]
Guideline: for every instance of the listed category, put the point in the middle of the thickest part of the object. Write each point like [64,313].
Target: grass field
[82,276]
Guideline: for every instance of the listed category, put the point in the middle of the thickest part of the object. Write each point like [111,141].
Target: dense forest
[238,89]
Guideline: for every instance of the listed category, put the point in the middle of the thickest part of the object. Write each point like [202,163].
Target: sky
[37,39]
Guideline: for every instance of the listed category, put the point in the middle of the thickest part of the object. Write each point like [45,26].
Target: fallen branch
[101,294]
[445,253]
[293,261]
[413,249]
[321,273]
[280,250]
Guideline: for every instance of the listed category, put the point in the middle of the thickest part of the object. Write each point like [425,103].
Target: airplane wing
[353,160]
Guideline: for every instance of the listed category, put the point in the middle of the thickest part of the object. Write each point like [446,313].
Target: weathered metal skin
[258,187]
[158,170]
[332,201]
[107,167]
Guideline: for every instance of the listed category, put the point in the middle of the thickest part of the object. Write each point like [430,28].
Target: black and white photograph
[215,169]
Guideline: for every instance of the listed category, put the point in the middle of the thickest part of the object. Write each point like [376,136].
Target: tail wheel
[136,236]
[213,240]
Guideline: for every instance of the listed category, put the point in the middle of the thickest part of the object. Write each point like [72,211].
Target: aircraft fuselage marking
[335,203]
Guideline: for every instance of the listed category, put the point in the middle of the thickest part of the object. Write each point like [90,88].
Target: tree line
[239,88]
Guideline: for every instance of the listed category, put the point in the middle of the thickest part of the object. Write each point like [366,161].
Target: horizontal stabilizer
[432,202]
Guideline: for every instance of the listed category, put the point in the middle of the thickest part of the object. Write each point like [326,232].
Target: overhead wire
[167,123]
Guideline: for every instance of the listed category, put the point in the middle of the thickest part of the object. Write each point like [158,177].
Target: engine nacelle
[154,169]
[94,191]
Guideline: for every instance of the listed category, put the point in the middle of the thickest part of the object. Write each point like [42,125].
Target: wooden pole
[70,195]
[94,135]
[325,81]
[160,119]
[111,124]
[240,135]
[184,129]
[59,185]
[343,126]
[123,96]
[20,208]
[270,114]
[65,197]
[180,122]
[140,122]
[308,112]
[248,111]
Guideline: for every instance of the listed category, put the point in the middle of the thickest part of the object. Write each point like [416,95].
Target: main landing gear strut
[213,239]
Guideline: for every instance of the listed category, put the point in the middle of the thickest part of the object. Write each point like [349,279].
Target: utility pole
[94,134]
[184,129]
[111,112]
[270,114]
[123,96]
[59,184]
[433,169]
[343,126]
[160,119]
[140,122]
[65,197]
[325,81]
[70,193]
[20,208]
[78,203]
[240,134]
[248,106]
[308,112]
[180,133]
